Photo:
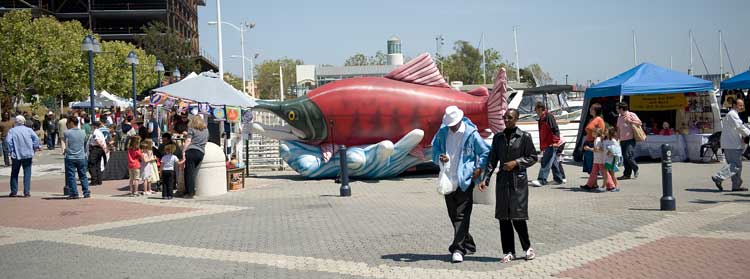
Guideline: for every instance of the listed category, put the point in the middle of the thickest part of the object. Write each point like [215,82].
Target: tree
[539,76]
[357,60]
[233,80]
[268,78]
[115,76]
[168,46]
[379,58]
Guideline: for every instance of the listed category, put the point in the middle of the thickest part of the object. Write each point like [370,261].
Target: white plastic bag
[444,184]
[488,196]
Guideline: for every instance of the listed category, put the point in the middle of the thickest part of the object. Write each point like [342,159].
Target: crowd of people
[87,144]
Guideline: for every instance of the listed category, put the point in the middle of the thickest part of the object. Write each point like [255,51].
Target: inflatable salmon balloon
[359,112]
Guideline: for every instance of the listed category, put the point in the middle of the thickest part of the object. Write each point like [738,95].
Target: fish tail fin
[497,103]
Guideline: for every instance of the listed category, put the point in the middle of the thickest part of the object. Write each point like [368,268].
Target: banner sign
[233,114]
[658,102]
[218,113]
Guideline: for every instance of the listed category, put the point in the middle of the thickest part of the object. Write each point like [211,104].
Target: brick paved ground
[282,226]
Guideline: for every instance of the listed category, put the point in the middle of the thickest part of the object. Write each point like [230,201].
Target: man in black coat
[513,151]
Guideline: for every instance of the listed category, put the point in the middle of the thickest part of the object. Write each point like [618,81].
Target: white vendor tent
[207,87]
[102,99]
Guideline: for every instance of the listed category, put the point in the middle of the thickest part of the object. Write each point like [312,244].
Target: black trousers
[193,159]
[167,183]
[460,204]
[628,157]
[507,238]
[96,153]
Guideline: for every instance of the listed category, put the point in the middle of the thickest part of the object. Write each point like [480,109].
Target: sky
[586,40]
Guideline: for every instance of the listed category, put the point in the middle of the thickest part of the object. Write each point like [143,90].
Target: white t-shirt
[168,161]
[599,153]
[453,147]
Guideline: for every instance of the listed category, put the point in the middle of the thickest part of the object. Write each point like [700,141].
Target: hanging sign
[218,113]
[204,108]
[247,124]
[169,102]
[658,102]
[233,114]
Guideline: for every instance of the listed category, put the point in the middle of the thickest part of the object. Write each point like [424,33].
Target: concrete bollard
[345,190]
[667,200]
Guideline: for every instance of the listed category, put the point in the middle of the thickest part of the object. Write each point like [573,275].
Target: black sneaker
[717,182]
[86,196]
[741,189]
[623,177]
[12,195]
[74,197]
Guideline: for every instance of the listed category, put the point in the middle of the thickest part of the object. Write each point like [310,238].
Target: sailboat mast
[484,62]
[690,43]
[635,50]
[721,59]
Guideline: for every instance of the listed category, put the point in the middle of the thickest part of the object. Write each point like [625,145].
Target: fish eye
[291,115]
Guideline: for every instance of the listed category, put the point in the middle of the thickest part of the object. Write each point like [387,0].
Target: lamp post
[218,33]
[252,70]
[176,74]
[566,79]
[91,46]
[133,60]
[159,68]
[244,27]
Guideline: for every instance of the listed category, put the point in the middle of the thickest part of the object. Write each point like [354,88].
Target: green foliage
[113,74]
[39,55]
[360,59]
[538,76]
[233,80]
[465,64]
[167,45]
[356,60]
[268,79]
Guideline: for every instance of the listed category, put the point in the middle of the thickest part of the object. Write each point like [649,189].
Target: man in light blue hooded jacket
[459,146]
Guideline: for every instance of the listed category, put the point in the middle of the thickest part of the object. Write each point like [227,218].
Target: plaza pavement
[281,226]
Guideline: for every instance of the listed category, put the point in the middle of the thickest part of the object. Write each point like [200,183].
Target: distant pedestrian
[459,145]
[5,127]
[732,135]
[625,123]
[195,145]
[22,143]
[50,129]
[149,171]
[549,137]
[513,152]
[600,135]
[595,112]
[75,159]
[134,163]
[613,157]
[61,128]
[97,145]
[168,163]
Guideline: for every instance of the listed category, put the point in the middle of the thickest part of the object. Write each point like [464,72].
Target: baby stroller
[714,143]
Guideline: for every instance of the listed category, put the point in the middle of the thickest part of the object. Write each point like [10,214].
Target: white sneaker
[536,183]
[457,257]
[530,255]
[565,181]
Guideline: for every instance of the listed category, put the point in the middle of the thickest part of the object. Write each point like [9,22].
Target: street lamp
[159,68]
[244,27]
[252,70]
[91,46]
[133,60]
[176,74]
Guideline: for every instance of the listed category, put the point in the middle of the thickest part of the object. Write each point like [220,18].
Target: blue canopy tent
[644,79]
[741,81]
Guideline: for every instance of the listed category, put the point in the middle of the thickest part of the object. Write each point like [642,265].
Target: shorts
[134,174]
[612,166]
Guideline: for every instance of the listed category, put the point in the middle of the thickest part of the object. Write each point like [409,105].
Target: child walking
[599,158]
[614,157]
[134,163]
[148,173]
[168,162]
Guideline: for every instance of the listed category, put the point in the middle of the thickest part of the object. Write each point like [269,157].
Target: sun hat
[452,116]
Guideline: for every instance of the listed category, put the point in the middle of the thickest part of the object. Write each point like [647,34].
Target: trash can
[212,179]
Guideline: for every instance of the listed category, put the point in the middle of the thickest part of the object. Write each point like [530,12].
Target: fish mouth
[286,132]
[302,120]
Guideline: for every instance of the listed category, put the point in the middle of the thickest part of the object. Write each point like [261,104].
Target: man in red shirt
[549,139]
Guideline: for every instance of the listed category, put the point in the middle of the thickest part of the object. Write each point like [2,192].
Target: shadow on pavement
[703,190]
[701,201]
[645,209]
[410,258]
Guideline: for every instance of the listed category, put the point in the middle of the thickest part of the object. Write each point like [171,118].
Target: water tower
[395,57]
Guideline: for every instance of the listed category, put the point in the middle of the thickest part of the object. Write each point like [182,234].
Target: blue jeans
[51,140]
[588,158]
[549,161]
[628,147]
[6,153]
[71,167]
[733,168]
[15,168]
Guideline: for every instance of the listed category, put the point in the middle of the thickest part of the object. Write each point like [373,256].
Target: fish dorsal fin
[479,91]
[421,70]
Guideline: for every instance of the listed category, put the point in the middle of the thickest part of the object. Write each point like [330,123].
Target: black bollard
[667,200]
[345,189]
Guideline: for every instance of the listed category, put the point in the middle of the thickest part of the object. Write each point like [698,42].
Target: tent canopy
[741,81]
[207,88]
[103,99]
[648,78]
